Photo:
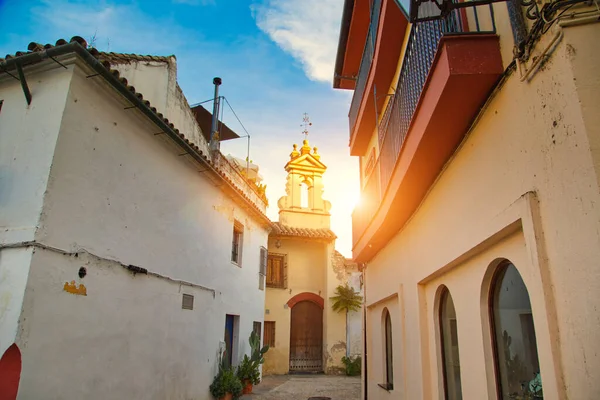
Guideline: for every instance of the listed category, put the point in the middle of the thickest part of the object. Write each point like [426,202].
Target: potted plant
[249,374]
[248,371]
[226,385]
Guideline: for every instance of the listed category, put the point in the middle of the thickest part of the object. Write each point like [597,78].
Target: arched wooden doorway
[306,337]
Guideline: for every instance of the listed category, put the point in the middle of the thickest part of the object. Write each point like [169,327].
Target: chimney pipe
[214,133]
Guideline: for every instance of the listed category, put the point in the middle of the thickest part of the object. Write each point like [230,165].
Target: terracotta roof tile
[279,229]
[106,62]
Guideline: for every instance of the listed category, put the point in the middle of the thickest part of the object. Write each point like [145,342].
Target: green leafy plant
[353,365]
[346,299]
[256,353]
[248,371]
[226,381]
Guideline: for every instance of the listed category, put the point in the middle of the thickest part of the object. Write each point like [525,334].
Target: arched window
[389,353]
[304,195]
[449,348]
[516,356]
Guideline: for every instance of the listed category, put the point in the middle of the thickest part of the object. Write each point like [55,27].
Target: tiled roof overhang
[77,45]
[280,230]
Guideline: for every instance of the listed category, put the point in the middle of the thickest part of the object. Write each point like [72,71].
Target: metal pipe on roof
[214,132]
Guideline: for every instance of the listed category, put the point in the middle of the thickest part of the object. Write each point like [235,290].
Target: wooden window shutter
[275,271]
[269,337]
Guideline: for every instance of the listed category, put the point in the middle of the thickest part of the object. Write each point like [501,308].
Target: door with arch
[306,337]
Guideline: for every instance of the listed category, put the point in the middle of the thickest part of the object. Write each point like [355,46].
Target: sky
[275,58]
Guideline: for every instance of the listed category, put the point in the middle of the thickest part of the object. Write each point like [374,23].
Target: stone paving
[302,387]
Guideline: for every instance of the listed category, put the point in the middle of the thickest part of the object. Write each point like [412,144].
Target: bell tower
[303,205]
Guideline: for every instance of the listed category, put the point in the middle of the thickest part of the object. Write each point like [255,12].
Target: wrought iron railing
[397,117]
[418,59]
[365,63]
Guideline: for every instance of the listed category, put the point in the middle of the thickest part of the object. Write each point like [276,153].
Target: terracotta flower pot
[228,396]
[247,387]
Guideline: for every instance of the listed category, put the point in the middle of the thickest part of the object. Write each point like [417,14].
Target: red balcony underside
[465,70]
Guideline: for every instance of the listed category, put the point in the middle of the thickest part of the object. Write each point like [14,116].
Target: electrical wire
[236,116]
[202,102]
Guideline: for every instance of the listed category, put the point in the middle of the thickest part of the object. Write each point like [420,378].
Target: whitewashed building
[126,252]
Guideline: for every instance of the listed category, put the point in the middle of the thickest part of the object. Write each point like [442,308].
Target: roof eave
[343,41]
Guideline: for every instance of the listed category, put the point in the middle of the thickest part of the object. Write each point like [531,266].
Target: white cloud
[307,29]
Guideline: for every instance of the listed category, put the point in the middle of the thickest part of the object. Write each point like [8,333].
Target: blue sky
[275,58]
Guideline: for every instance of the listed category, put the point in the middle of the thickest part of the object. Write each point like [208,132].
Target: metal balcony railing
[418,59]
[397,117]
[365,64]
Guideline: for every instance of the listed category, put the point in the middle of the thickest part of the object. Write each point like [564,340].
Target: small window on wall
[276,271]
[450,353]
[516,355]
[269,337]
[1,103]
[236,245]
[388,351]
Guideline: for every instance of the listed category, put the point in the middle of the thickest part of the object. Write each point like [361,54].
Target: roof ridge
[34,47]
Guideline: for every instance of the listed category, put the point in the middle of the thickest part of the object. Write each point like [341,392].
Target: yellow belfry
[305,173]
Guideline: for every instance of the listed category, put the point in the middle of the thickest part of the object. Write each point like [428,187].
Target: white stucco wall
[125,195]
[354,320]
[26,152]
[523,186]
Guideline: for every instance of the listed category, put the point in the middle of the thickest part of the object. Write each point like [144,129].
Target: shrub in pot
[226,385]
[248,371]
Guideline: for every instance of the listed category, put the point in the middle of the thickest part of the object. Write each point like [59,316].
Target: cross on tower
[305,123]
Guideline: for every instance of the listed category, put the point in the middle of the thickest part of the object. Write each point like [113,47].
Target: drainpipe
[365,370]
[214,132]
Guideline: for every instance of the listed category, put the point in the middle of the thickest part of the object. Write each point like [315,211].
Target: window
[515,349]
[449,342]
[304,195]
[256,328]
[389,353]
[263,268]
[276,271]
[236,245]
[269,338]
[1,103]
[187,302]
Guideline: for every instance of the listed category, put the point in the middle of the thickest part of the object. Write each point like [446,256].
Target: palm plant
[346,299]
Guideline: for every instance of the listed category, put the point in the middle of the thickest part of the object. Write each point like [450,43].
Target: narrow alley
[303,387]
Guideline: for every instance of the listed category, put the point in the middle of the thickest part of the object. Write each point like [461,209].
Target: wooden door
[306,338]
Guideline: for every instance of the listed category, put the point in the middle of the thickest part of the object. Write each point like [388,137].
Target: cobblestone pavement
[302,387]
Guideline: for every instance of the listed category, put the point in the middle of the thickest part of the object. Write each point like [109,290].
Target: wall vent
[187,302]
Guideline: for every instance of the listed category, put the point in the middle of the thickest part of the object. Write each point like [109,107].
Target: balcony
[377,68]
[448,71]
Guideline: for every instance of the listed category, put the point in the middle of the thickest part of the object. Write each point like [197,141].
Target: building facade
[303,272]
[478,227]
[130,256]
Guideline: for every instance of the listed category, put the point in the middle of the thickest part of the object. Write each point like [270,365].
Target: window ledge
[386,386]
[236,264]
